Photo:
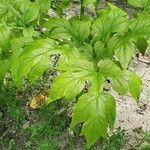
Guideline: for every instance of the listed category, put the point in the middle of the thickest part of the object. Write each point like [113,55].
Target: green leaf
[63,4]
[100,50]
[43,5]
[142,45]
[79,30]
[62,29]
[58,28]
[33,60]
[111,21]
[97,111]
[109,68]
[85,49]
[67,85]
[5,35]
[4,65]
[20,42]
[139,27]
[75,71]
[31,13]
[140,3]
[123,48]
[3,7]
[30,32]
[88,2]
[23,5]
[80,64]
[5,11]
[127,81]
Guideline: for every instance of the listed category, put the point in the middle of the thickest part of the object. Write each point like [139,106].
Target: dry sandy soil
[132,116]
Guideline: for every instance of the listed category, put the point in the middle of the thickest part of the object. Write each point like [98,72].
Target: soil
[131,116]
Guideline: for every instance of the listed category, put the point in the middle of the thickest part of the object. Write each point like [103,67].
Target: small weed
[116,141]
[22,128]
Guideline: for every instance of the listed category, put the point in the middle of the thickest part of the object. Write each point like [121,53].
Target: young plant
[92,53]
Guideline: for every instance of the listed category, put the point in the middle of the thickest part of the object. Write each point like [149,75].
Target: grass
[46,128]
[23,128]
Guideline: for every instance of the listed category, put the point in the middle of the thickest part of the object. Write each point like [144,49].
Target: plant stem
[57,9]
[81,9]
[96,7]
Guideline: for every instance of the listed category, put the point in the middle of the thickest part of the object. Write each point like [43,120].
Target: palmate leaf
[30,13]
[79,30]
[33,60]
[74,29]
[72,79]
[44,5]
[111,20]
[58,28]
[123,48]
[5,35]
[140,3]
[97,112]
[139,27]
[127,81]
[5,9]
[96,108]
[142,45]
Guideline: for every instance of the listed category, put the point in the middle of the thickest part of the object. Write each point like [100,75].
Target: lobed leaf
[127,81]
[142,45]
[123,48]
[139,27]
[31,13]
[33,60]
[72,79]
[5,35]
[44,5]
[112,20]
[109,68]
[97,112]
[58,28]
[140,3]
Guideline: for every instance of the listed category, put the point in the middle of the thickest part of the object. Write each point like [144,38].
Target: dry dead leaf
[38,100]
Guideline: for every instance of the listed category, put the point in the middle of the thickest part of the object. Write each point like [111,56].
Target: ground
[130,115]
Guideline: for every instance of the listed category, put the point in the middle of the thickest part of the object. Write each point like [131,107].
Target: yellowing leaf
[38,100]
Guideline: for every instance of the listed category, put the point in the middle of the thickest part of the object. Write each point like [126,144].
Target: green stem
[96,8]
[81,9]
[60,12]
[57,9]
